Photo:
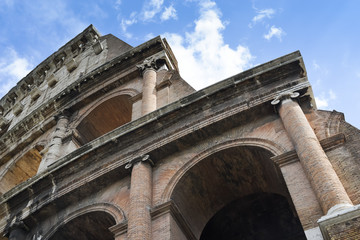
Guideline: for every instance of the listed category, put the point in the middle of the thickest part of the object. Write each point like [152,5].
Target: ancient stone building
[106,141]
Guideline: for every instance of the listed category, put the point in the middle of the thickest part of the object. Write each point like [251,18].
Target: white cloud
[151,9]
[125,23]
[261,15]
[275,32]
[118,4]
[169,12]
[204,58]
[149,36]
[315,65]
[12,69]
[323,100]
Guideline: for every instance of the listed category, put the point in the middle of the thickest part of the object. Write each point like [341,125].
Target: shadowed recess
[104,118]
[90,226]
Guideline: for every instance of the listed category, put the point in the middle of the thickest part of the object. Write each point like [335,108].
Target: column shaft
[149,91]
[54,151]
[139,219]
[324,180]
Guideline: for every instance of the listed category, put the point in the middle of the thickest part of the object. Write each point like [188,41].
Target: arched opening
[104,118]
[89,226]
[261,216]
[239,194]
[21,170]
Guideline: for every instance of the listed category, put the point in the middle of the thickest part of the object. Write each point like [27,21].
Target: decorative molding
[119,229]
[163,84]
[327,144]
[170,207]
[136,98]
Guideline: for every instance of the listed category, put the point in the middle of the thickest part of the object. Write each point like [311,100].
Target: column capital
[283,96]
[148,63]
[62,114]
[143,158]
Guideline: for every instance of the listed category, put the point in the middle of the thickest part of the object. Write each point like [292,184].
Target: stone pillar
[323,178]
[148,69]
[54,148]
[139,219]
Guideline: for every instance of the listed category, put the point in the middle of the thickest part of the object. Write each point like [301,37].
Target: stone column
[54,148]
[139,219]
[323,178]
[148,69]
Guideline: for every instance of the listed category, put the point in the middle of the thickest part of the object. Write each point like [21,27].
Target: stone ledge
[344,224]
[327,144]
[170,207]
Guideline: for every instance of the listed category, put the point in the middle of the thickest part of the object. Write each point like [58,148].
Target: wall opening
[262,216]
[21,170]
[223,187]
[89,226]
[104,118]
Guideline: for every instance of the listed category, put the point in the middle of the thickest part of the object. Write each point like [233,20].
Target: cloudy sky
[222,37]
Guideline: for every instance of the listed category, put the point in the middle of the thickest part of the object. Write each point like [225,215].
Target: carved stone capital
[149,63]
[144,158]
[62,114]
[283,96]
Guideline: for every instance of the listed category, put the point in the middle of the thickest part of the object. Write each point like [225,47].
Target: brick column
[139,219]
[148,70]
[54,148]
[324,180]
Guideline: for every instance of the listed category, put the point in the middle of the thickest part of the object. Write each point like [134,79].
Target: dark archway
[89,226]
[104,118]
[262,216]
[226,181]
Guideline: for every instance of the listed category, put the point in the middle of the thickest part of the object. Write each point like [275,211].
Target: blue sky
[224,37]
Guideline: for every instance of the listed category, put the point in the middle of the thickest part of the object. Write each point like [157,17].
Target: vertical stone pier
[324,180]
[54,149]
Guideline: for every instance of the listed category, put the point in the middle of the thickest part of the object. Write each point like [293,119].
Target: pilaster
[54,148]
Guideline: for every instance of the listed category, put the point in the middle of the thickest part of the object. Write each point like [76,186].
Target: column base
[314,234]
[341,224]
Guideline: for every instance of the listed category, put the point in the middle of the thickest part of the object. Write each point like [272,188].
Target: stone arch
[110,210]
[104,115]
[273,147]
[230,172]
